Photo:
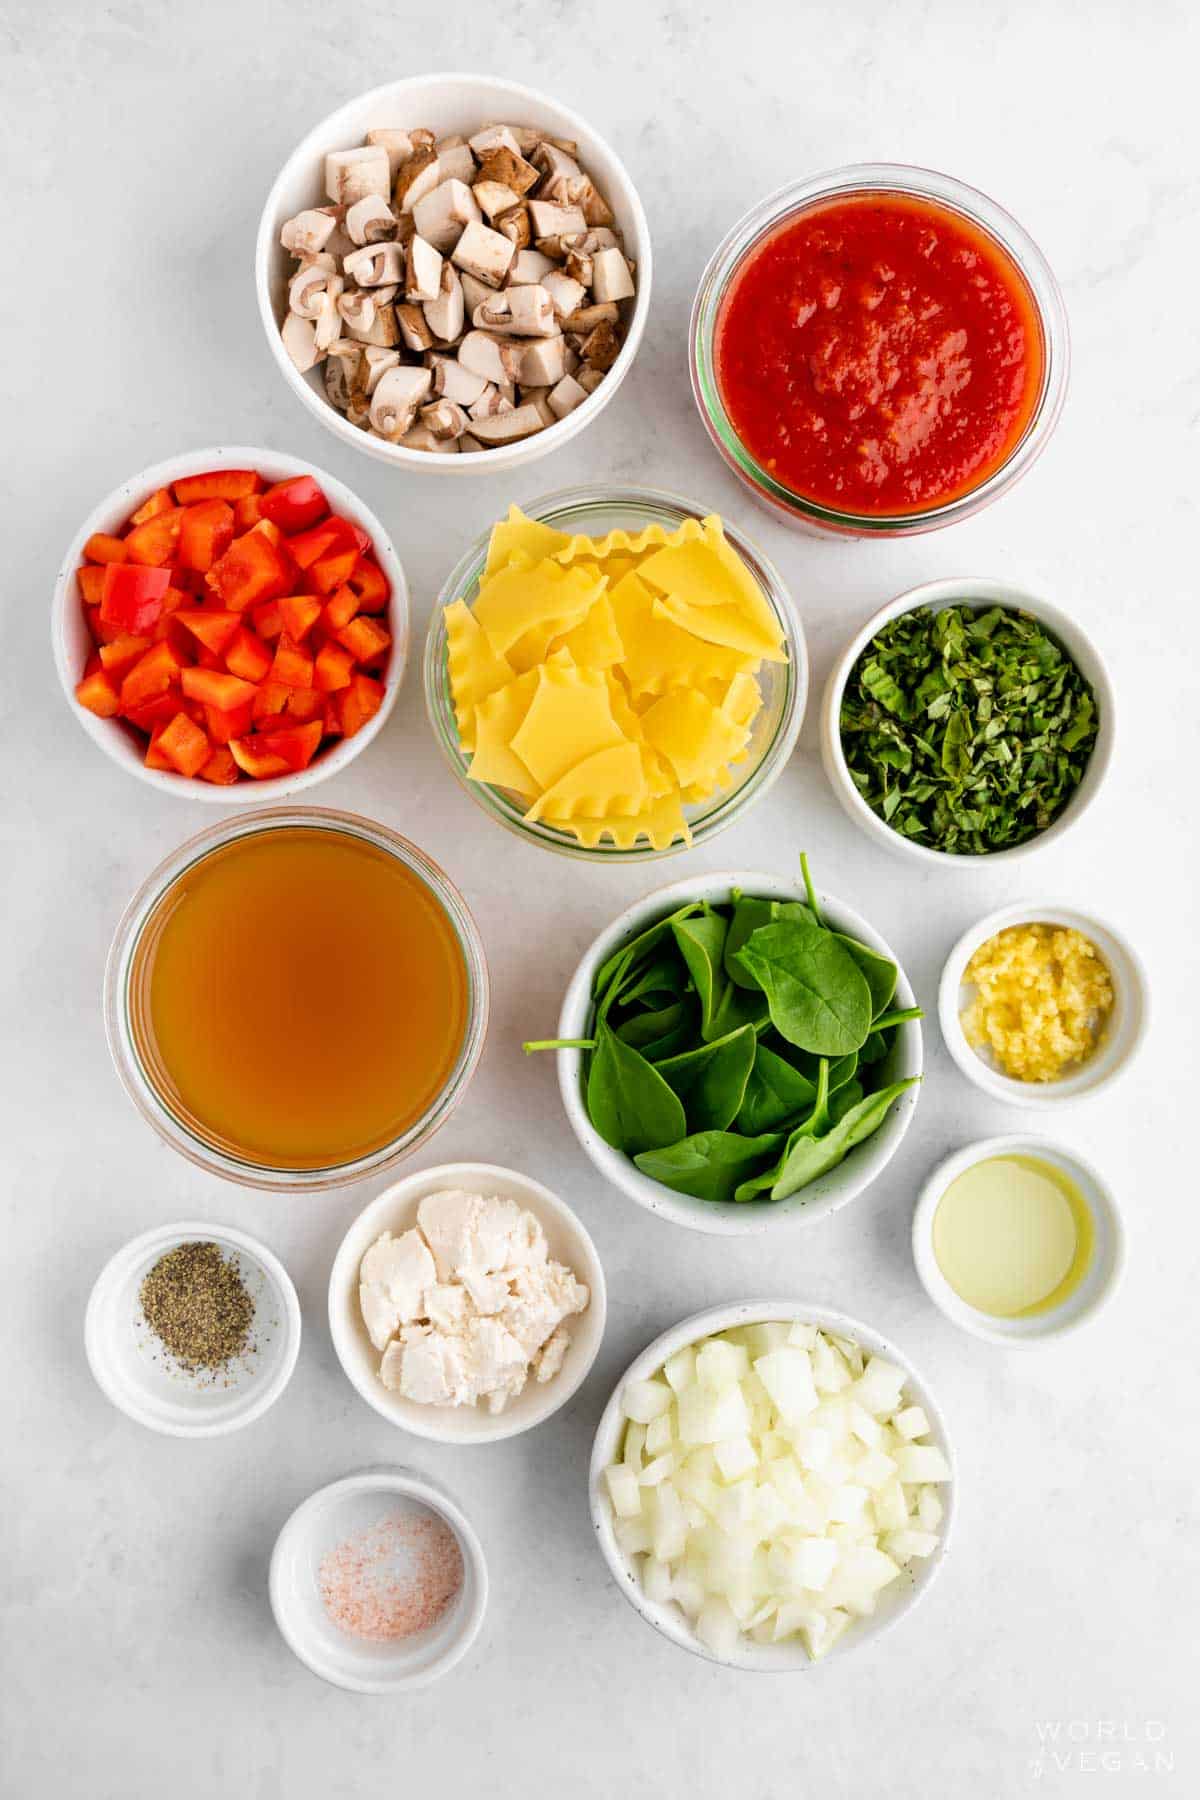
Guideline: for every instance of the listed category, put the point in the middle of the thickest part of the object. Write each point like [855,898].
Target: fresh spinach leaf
[818,996]
[628,1101]
[711,1079]
[638,947]
[701,943]
[808,1158]
[881,973]
[644,1029]
[709,1164]
[776,1094]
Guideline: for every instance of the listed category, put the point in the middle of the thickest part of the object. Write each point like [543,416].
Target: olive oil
[1013,1236]
[298,998]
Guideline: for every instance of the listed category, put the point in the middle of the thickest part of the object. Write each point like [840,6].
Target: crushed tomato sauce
[879,354]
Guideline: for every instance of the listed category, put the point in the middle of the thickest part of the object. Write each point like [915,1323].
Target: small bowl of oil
[1017,1239]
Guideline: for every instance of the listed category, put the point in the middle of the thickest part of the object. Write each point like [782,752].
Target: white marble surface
[137,1653]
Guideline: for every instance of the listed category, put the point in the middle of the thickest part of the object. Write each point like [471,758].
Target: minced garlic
[1042,998]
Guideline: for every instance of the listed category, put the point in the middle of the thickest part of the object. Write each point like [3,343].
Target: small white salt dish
[1094,1291]
[395,1210]
[1119,1041]
[325,1521]
[138,1374]
[789,1657]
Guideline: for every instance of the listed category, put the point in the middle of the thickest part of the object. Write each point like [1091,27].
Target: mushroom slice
[383,331]
[395,400]
[376,364]
[306,289]
[422,271]
[414,328]
[423,157]
[507,427]
[309,232]
[495,198]
[375,265]
[601,348]
[445,315]
[452,382]
[508,167]
[566,294]
[358,307]
[370,220]
[339,374]
[588,317]
[565,396]
[514,225]
[483,253]
[398,144]
[351,175]
[300,341]
[542,362]
[441,216]
[552,221]
[329,319]
[519,311]
[611,279]
[496,358]
[529,266]
[444,418]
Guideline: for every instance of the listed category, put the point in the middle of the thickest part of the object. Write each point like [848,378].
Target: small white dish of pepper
[193,1329]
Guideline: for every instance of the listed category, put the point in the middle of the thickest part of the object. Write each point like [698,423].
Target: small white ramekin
[895,1601]
[138,1376]
[1121,1039]
[973,590]
[325,1520]
[1097,1287]
[733,1218]
[72,643]
[395,1210]
[446,103]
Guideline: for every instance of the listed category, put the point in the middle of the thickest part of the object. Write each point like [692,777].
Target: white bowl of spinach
[737,1051]
[967,719]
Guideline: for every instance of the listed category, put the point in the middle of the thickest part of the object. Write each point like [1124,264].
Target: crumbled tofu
[394,1276]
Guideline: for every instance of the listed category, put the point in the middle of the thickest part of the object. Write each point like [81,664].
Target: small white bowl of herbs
[967,719]
[738,1052]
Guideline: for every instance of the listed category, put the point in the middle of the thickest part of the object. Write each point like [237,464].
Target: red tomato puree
[879,354]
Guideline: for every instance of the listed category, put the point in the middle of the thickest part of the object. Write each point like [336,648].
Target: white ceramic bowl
[446,103]
[139,1376]
[395,1210]
[1119,1043]
[733,1218]
[787,1658]
[975,590]
[1097,1287]
[326,1520]
[72,641]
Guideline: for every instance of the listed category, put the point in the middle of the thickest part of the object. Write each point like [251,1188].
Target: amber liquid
[298,998]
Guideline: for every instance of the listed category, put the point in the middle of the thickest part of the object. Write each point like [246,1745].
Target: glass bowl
[893,178]
[596,510]
[119,999]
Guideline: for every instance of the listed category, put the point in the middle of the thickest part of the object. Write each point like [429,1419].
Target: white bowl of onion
[805,1402]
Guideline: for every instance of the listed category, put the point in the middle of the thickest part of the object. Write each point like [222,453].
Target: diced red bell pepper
[358,703]
[122,653]
[154,713]
[155,758]
[221,768]
[217,484]
[205,533]
[247,656]
[91,584]
[305,703]
[371,585]
[216,687]
[253,757]
[222,726]
[246,512]
[365,638]
[268,620]
[155,542]
[215,630]
[271,698]
[334,569]
[340,608]
[191,583]
[132,597]
[333,668]
[253,569]
[332,535]
[151,675]
[102,548]
[300,613]
[333,718]
[98,692]
[184,745]
[292,666]
[159,502]
[295,504]
[266,529]
[296,744]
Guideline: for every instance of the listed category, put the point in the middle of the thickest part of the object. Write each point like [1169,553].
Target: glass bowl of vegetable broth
[296,999]
[595,511]
[899,1068]
[1004,816]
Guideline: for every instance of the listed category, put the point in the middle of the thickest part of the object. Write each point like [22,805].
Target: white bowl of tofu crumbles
[453,273]
[466,1303]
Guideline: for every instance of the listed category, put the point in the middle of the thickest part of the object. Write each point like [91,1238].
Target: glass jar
[595,511]
[120,999]
[878,178]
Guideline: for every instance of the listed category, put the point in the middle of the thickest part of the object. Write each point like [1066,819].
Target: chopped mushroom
[552,221]
[446,315]
[508,167]
[514,225]
[454,382]
[441,216]
[375,265]
[309,232]
[383,331]
[422,271]
[565,396]
[414,327]
[611,279]
[484,254]
[377,363]
[506,427]
[566,294]
[398,144]
[474,292]
[300,342]
[601,348]
[494,198]
[497,358]
[370,220]
[306,289]
[519,311]
[444,419]
[395,401]
[542,363]
[423,157]
[351,175]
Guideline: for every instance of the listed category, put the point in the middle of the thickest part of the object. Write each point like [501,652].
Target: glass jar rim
[141,1088]
[926,184]
[726,807]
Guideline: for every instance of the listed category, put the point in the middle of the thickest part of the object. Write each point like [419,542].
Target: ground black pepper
[196,1304]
